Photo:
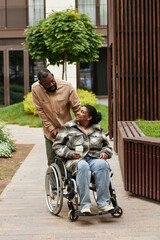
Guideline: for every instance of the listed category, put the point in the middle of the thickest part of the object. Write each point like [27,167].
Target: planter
[139,158]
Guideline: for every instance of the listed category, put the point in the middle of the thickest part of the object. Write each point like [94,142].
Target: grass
[104,111]
[15,114]
[149,128]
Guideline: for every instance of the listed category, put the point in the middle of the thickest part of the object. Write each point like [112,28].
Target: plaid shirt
[71,135]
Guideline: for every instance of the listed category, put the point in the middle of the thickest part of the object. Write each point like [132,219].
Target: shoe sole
[86,212]
[102,211]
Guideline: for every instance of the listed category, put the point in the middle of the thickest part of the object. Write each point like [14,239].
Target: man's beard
[52,91]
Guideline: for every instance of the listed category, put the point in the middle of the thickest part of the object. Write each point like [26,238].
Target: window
[16,76]
[93,76]
[1,79]
[35,11]
[34,67]
[86,76]
[103,12]
[96,9]
[88,7]
[13,14]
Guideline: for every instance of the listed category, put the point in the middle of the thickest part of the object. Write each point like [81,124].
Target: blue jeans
[99,168]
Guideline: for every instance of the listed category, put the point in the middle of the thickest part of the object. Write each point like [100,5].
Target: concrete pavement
[24,214]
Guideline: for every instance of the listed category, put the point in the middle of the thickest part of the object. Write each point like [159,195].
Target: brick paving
[24,214]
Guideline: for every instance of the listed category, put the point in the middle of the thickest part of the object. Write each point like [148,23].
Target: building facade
[134,62]
[94,75]
[18,70]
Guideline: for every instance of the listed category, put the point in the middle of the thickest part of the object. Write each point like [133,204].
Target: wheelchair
[60,184]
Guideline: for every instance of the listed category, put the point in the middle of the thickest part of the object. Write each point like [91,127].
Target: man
[53,99]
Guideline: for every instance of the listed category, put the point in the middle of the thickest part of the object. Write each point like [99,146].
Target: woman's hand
[103,155]
[76,155]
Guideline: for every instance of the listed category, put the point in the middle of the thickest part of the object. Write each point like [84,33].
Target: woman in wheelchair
[85,131]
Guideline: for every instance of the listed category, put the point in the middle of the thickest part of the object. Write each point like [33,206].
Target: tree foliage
[64,36]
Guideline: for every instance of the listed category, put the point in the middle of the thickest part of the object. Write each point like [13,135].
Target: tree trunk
[65,64]
[63,71]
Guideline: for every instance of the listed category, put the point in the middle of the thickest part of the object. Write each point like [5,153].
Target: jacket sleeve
[106,147]
[41,112]
[59,145]
[74,99]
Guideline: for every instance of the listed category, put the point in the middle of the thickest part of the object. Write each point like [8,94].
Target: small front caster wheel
[117,212]
[72,216]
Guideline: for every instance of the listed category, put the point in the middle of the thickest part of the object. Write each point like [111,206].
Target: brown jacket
[54,108]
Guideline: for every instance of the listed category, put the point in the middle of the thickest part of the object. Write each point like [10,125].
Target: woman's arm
[107,149]
[59,145]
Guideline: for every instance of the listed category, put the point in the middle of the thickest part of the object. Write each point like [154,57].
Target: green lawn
[150,129]
[15,114]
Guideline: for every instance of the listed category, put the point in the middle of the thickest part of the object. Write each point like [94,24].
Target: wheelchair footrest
[105,212]
[79,213]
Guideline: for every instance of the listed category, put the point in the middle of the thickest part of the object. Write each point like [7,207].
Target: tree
[64,36]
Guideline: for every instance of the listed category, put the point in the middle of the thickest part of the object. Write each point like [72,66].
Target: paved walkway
[24,215]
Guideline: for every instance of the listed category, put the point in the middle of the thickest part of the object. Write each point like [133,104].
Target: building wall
[71,68]
[135,74]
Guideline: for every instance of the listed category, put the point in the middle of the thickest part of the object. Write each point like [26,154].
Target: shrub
[86,88]
[29,107]
[6,145]
[87,97]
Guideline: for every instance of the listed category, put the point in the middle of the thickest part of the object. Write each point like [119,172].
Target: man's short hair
[43,73]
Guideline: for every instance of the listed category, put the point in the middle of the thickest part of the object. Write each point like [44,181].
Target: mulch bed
[8,166]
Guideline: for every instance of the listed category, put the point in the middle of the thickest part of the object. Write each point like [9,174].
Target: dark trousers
[49,151]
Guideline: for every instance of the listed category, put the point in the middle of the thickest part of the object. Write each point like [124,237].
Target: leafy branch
[64,36]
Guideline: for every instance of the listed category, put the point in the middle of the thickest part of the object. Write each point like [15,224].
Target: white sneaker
[106,208]
[85,210]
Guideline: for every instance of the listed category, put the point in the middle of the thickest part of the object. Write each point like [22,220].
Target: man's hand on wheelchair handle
[54,132]
[103,155]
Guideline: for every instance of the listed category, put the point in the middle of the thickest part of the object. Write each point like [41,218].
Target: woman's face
[82,115]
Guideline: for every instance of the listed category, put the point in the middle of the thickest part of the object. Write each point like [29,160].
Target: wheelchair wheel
[72,215]
[117,212]
[54,189]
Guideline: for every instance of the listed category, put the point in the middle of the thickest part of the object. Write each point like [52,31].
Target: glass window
[16,76]
[101,73]
[16,14]
[1,79]
[88,7]
[35,11]
[96,9]
[34,67]
[86,76]
[2,13]
[93,76]
[103,12]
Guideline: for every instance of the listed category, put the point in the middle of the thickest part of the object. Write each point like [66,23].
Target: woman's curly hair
[96,116]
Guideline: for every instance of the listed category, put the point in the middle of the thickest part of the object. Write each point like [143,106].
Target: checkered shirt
[71,135]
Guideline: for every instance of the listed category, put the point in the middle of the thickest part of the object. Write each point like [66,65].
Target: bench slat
[127,130]
[132,129]
[141,134]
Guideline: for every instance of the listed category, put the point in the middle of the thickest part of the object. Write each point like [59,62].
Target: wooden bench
[139,158]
